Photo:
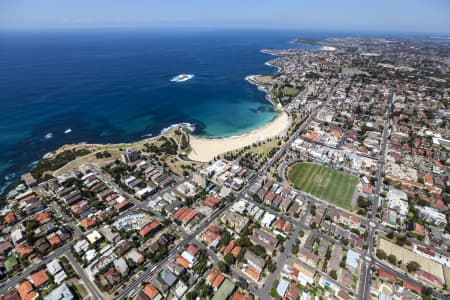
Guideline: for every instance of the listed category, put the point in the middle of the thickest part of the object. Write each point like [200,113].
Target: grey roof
[168,277]
[61,292]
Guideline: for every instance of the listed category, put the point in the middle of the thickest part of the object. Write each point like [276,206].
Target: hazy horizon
[382,16]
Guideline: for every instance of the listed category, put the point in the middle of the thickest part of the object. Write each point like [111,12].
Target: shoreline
[205,149]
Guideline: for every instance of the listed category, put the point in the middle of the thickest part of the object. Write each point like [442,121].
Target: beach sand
[204,150]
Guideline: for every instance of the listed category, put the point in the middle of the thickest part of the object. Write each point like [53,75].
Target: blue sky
[358,15]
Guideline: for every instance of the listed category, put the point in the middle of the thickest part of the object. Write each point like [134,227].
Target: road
[14,281]
[130,289]
[93,290]
[366,276]
[281,261]
[291,139]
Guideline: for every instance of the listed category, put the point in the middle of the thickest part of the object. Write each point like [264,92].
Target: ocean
[111,86]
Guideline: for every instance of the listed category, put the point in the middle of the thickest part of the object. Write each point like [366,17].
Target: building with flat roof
[61,292]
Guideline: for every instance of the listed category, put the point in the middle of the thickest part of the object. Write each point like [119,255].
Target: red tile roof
[24,250]
[25,291]
[413,287]
[9,218]
[150,291]
[239,296]
[387,275]
[39,278]
[149,228]
[236,251]
[252,273]
[192,249]
[87,222]
[182,261]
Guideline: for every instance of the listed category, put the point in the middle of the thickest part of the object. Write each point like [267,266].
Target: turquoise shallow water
[115,87]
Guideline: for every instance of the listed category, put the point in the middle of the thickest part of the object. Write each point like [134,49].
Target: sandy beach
[204,150]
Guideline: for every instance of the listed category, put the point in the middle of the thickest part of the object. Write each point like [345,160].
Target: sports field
[327,184]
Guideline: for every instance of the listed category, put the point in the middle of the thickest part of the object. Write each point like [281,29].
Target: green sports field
[327,184]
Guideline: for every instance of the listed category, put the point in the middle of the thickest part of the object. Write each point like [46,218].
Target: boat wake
[182,77]
[48,136]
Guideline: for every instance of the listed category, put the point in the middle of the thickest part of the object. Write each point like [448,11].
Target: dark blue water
[115,87]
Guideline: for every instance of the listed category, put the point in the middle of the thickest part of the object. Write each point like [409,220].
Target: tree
[191,295]
[271,266]
[229,258]
[333,274]
[258,250]
[225,237]
[280,238]
[223,267]
[413,266]
[392,259]
[381,254]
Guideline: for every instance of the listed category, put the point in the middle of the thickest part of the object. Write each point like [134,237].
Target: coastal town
[345,195]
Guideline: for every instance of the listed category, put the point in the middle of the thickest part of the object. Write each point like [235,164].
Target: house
[234,220]
[215,278]
[26,291]
[135,256]
[239,296]
[183,262]
[264,239]
[184,214]
[351,261]
[225,290]
[168,277]
[151,292]
[150,229]
[93,237]
[112,276]
[5,247]
[88,222]
[54,267]
[386,275]
[413,287]
[61,292]
[282,287]
[39,279]
[13,295]
[24,250]
[9,218]
[211,236]
[121,265]
[308,257]
[293,292]
[211,201]
[269,197]
[254,261]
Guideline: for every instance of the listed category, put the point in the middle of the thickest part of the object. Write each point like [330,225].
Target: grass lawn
[10,264]
[263,79]
[327,184]
[288,91]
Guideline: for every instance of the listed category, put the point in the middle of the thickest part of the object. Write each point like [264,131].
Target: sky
[428,16]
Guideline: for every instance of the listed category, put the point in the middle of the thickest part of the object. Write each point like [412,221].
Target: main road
[366,276]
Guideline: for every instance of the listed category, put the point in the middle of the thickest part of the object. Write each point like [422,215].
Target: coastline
[204,150]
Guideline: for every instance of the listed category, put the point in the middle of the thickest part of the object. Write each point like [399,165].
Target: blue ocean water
[114,86]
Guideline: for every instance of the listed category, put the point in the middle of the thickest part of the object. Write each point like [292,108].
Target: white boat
[68,130]
[182,77]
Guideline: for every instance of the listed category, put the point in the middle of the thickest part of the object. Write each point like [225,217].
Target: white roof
[54,267]
[352,259]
